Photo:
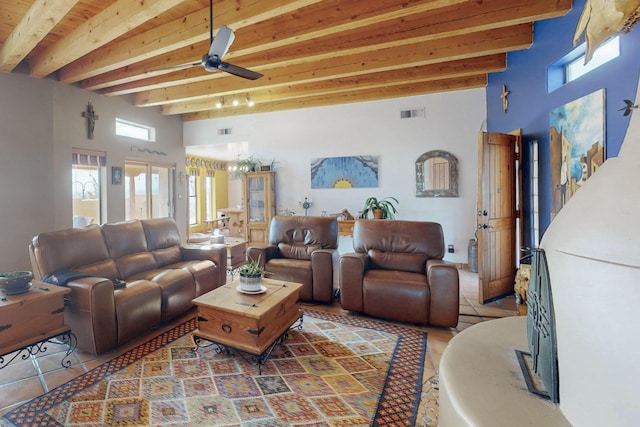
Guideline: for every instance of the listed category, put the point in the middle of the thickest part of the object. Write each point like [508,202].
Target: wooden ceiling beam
[417,25]
[174,35]
[109,24]
[393,91]
[292,27]
[419,74]
[408,55]
[39,20]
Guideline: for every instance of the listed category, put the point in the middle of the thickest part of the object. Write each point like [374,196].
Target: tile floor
[20,381]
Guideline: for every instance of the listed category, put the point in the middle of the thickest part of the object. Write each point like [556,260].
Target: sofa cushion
[167,256]
[161,233]
[289,250]
[414,263]
[124,238]
[133,264]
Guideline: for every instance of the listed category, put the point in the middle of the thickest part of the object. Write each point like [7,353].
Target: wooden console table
[30,320]
[345,227]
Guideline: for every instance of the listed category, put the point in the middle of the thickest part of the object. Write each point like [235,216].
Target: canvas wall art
[577,143]
[344,172]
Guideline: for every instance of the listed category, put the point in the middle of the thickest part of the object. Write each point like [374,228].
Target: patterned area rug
[336,371]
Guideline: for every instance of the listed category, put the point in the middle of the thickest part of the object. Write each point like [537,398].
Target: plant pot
[250,282]
[378,213]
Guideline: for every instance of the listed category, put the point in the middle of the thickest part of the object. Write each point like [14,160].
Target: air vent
[224,131]
[410,114]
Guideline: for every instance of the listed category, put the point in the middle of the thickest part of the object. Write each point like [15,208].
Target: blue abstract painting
[344,172]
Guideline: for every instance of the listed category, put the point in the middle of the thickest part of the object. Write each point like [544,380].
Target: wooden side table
[345,227]
[30,320]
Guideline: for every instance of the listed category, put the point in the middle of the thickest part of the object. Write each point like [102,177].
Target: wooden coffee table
[251,324]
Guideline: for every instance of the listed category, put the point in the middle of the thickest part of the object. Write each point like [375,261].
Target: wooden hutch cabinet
[259,195]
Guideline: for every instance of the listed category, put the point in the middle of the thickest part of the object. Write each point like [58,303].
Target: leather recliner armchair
[397,273]
[302,249]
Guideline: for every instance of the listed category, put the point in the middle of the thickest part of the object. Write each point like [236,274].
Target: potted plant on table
[251,276]
[384,208]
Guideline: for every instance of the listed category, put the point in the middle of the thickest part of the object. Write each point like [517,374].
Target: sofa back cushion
[409,237]
[128,247]
[411,262]
[124,238]
[69,249]
[299,251]
[163,240]
[161,233]
[298,231]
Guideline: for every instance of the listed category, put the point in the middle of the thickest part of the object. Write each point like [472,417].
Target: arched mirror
[437,174]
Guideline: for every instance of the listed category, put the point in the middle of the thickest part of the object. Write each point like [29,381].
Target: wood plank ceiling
[311,52]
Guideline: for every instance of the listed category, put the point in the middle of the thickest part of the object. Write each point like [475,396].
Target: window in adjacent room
[87,170]
[192,186]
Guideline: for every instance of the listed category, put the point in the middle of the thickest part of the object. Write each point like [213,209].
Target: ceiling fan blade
[238,71]
[221,43]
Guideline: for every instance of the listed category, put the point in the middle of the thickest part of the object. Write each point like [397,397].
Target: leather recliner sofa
[125,277]
[397,272]
[302,249]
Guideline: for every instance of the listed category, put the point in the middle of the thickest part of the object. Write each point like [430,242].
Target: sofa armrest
[263,253]
[91,314]
[352,269]
[444,284]
[217,254]
[324,265]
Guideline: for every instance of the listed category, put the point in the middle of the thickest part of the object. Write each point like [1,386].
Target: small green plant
[380,208]
[252,268]
[241,166]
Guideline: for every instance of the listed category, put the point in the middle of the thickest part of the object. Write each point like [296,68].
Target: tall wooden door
[496,214]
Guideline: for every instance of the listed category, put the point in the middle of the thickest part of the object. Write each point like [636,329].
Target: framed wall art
[577,143]
[116,175]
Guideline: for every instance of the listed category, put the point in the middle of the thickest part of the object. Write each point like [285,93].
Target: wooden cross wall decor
[91,117]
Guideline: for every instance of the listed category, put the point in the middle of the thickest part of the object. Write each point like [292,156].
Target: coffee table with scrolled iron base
[250,324]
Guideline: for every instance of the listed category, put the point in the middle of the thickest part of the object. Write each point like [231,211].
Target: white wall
[371,128]
[40,123]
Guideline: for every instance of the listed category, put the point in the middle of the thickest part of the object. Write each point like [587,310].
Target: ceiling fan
[212,60]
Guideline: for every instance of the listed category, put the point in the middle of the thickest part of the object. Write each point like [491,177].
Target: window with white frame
[135,130]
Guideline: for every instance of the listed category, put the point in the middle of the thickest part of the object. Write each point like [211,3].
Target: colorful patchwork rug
[335,371]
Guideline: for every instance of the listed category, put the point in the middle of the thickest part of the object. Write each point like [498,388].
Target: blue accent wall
[530,104]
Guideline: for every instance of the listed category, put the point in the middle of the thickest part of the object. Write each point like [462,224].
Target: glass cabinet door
[256,187]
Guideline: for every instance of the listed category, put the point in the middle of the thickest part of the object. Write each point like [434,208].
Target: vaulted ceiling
[311,52]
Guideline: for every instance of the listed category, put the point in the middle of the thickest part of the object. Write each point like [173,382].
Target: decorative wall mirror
[437,174]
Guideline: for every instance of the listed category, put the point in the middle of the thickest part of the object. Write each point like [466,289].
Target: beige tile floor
[20,380]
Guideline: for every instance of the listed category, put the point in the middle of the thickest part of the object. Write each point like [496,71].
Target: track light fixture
[250,103]
[235,102]
[220,102]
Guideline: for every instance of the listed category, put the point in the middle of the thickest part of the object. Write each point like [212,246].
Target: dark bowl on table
[15,281]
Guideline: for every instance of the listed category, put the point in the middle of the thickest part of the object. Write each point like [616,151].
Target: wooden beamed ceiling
[311,52]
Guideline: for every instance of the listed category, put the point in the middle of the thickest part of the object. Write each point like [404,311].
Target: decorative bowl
[15,281]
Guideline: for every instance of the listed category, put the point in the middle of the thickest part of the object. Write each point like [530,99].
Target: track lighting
[220,103]
[250,103]
[235,102]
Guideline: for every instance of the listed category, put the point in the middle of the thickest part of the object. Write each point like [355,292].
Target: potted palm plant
[384,208]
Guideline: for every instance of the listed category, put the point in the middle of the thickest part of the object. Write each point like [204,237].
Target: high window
[135,130]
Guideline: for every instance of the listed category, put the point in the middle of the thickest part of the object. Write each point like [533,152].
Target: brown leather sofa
[397,273]
[302,249]
[160,277]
